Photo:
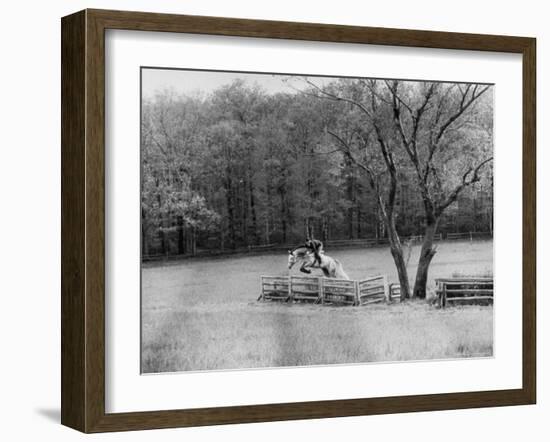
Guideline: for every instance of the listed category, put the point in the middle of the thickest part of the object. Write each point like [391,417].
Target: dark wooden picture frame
[83,220]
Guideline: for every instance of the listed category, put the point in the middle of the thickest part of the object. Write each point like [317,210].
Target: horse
[332,268]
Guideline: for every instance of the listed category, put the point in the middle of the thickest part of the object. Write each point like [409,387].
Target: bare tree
[429,119]
[360,146]
[445,142]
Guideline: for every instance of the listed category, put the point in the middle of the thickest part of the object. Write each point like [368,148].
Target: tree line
[341,159]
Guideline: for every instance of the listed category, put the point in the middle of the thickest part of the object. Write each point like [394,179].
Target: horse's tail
[340,270]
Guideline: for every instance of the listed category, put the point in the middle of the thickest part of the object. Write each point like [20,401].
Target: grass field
[202,315]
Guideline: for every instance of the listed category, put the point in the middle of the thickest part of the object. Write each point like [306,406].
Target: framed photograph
[267,221]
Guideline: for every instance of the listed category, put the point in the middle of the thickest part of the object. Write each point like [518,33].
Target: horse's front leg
[304,267]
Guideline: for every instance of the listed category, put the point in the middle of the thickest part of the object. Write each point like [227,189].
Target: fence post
[262,294]
[290,294]
[387,294]
[357,294]
[321,290]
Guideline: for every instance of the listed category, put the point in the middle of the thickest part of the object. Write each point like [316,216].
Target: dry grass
[202,316]
[281,335]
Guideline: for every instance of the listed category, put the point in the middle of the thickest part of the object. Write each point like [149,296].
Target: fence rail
[275,288]
[362,242]
[319,290]
[464,290]
[356,242]
[468,235]
[395,292]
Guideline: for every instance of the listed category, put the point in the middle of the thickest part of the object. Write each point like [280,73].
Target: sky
[190,82]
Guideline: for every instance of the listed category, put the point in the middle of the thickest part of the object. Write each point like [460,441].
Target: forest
[341,158]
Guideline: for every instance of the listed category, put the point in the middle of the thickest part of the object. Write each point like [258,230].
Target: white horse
[332,268]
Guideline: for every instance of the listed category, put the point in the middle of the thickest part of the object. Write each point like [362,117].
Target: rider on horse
[316,247]
[312,253]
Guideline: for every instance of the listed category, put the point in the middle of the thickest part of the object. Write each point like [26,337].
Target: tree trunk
[309,229]
[350,222]
[381,225]
[267,228]
[426,254]
[161,226]
[181,243]
[231,214]
[400,265]
[193,241]
[282,195]
[244,214]
[253,210]
[324,236]
[162,239]
[144,245]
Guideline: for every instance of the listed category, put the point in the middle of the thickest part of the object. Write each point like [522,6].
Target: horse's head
[291,259]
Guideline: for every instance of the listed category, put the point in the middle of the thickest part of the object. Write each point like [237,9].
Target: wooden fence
[319,290]
[275,288]
[361,242]
[329,244]
[468,235]
[464,290]
[395,292]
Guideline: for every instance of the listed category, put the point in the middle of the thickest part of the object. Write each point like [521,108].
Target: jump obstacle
[320,290]
[475,290]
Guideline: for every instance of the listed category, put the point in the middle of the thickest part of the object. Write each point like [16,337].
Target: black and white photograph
[292,220]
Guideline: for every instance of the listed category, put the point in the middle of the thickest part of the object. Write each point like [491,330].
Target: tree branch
[393,90]
[347,151]
[387,211]
[464,105]
[463,185]
[335,97]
